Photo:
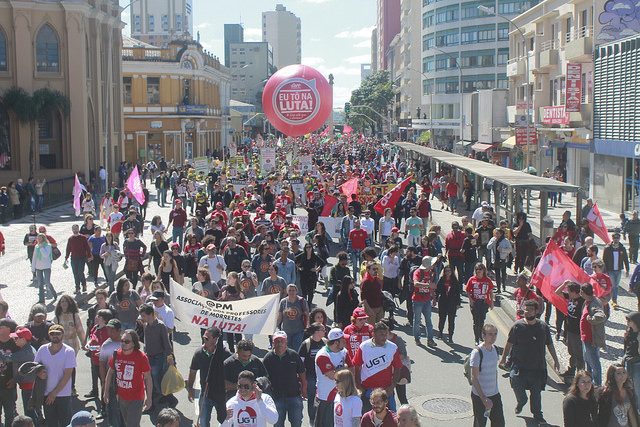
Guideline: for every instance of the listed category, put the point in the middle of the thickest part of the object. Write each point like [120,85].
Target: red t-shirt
[358,238]
[129,374]
[422,276]
[424,208]
[371,290]
[179,217]
[284,201]
[480,288]
[452,189]
[521,297]
[585,327]
[356,337]
[603,281]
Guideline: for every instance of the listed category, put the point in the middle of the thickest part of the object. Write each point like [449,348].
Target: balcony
[584,116]
[579,45]
[548,54]
[516,67]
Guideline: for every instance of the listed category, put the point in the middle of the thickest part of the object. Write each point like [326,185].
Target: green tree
[375,92]
[29,108]
[425,138]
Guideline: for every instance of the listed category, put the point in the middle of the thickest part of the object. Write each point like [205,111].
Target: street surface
[436,373]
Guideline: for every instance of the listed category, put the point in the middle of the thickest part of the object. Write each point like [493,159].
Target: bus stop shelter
[504,178]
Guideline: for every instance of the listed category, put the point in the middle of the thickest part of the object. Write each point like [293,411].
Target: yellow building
[73,48]
[175,101]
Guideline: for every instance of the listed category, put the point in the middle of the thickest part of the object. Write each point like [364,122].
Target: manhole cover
[447,406]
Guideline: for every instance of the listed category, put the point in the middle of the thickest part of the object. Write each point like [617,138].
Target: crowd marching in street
[238,231]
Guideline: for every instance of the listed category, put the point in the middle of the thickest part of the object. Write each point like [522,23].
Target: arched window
[47,50]
[3,51]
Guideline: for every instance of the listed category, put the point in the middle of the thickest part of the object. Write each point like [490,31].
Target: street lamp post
[431,139]
[459,87]
[489,11]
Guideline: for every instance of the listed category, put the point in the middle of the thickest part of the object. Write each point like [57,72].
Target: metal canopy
[508,177]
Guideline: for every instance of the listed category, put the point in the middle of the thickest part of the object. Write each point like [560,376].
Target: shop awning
[481,147]
[509,143]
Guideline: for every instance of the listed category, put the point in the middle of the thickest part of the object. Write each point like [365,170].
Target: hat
[487,215]
[175,245]
[241,204]
[335,334]
[278,205]
[22,333]
[81,418]
[245,213]
[178,201]
[30,369]
[359,313]
[427,262]
[56,328]
[260,211]
[280,334]
[38,309]
[114,323]
[219,204]
[395,230]
[237,196]
[484,204]
[42,229]
[211,247]
[524,274]
[156,295]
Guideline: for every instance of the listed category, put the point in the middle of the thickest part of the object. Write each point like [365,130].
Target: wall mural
[618,19]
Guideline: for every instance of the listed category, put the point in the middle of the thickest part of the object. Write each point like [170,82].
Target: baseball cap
[81,418]
[38,309]
[156,295]
[22,333]
[395,230]
[175,245]
[56,328]
[484,204]
[42,229]
[335,334]
[219,204]
[114,323]
[280,334]
[178,201]
[427,262]
[359,313]
[211,247]
[245,213]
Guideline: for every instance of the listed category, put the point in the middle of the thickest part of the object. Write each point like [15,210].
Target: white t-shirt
[390,266]
[345,409]
[327,361]
[386,226]
[212,264]
[489,373]
[368,224]
[165,314]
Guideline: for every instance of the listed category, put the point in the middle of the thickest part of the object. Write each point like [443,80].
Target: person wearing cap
[329,359]
[358,331]
[479,213]
[261,219]
[22,337]
[60,361]
[286,372]
[110,411]
[132,373]
[82,419]
[163,311]
[377,365]
[213,262]
[424,286]
[177,217]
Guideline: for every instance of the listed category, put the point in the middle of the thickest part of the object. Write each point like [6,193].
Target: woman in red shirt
[480,291]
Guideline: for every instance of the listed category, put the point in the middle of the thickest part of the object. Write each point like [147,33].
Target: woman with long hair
[580,407]
[308,264]
[500,248]
[232,291]
[348,399]
[157,248]
[346,301]
[204,286]
[125,302]
[448,297]
[318,315]
[41,265]
[190,254]
[111,255]
[67,315]
[616,403]
[134,250]
[168,268]
[179,259]
[479,288]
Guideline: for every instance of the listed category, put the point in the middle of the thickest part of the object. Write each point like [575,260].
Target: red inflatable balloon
[297,100]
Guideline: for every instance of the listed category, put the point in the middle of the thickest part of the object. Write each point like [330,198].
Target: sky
[336,34]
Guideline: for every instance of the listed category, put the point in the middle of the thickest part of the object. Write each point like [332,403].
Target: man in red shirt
[358,240]
[524,293]
[423,287]
[453,244]
[358,331]
[133,378]
[278,217]
[452,194]
[371,288]
[379,415]
[424,210]
[284,200]
[178,216]
[80,251]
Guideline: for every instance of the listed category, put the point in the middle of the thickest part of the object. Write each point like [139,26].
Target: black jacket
[452,299]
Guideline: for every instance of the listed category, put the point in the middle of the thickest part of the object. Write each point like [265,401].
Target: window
[427,19]
[3,52]
[47,50]
[451,39]
[469,36]
[503,58]
[136,23]
[165,22]
[486,60]
[486,35]
[446,15]
[153,90]
[513,7]
[178,22]
[427,87]
[427,42]
[503,33]
[151,24]
[503,83]
[126,85]
[470,12]
[469,62]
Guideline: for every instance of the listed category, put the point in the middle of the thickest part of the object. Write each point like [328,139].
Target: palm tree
[29,108]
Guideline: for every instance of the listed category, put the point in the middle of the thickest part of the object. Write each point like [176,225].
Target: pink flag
[347,129]
[133,184]
[350,187]
[329,203]
[553,269]
[77,196]
[390,199]
[596,224]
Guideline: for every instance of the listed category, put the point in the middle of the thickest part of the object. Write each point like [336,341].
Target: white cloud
[312,61]
[338,71]
[340,96]
[363,43]
[252,35]
[362,33]
[360,59]
[202,26]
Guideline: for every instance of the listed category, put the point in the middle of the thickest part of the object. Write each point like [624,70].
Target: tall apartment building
[282,30]
[388,26]
[233,33]
[251,64]
[374,51]
[457,33]
[159,22]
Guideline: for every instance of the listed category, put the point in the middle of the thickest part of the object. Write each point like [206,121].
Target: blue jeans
[484,256]
[615,276]
[177,234]
[39,200]
[468,272]
[162,199]
[295,340]
[44,279]
[356,262]
[311,394]
[453,203]
[291,406]
[206,408]
[422,308]
[159,366]
[110,275]
[77,266]
[592,360]
[522,380]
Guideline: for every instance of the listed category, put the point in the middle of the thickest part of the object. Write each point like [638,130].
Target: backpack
[466,366]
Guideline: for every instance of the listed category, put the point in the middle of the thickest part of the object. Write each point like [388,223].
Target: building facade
[387,26]
[73,48]
[176,101]
[251,65]
[233,33]
[282,30]
[159,22]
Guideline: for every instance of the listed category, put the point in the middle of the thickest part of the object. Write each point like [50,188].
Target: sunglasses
[126,341]
[55,333]
[244,386]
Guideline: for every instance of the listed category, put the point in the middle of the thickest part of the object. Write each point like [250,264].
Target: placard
[573,90]
[267,159]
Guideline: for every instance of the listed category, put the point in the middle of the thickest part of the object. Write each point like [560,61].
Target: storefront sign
[617,148]
[192,109]
[557,115]
[522,105]
[156,124]
[573,91]
[521,136]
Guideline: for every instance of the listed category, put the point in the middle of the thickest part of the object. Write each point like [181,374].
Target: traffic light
[347,109]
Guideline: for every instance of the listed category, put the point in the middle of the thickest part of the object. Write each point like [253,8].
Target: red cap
[246,213]
[22,333]
[219,204]
[359,313]
[178,201]
[395,230]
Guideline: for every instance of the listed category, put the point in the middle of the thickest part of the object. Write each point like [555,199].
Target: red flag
[325,131]
[347,129]
[329,203]
[596,223]
[554,268]
[350,187]
[390,199]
